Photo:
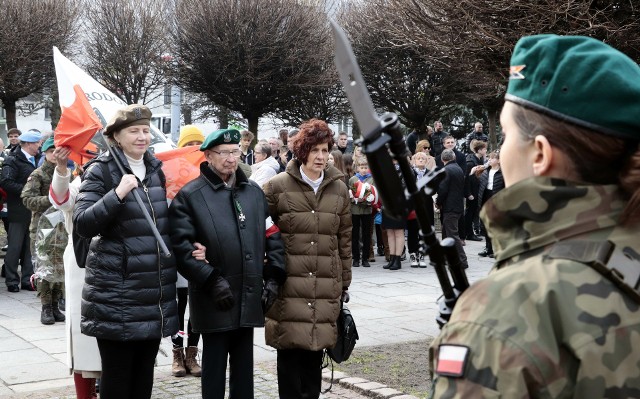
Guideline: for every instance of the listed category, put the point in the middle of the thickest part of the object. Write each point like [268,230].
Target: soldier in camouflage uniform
[551,320]
[35,196]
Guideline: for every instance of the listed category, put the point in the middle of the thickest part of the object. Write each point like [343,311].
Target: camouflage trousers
[50,292]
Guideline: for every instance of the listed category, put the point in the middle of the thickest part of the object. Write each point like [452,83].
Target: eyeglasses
[226,153]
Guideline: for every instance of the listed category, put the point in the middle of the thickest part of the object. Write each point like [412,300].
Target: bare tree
[477,36]
[398,76]
[249,55]
[127,46]
[28,33]
[326,101]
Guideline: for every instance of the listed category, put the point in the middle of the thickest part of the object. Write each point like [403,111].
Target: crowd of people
[320,215]
[268,236]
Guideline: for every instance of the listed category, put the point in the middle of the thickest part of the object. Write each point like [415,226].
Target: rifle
[383,140]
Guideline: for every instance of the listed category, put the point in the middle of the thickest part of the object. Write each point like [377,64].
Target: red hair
[312,133]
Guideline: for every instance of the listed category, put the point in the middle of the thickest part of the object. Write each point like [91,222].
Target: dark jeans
[192,338]
[299,374]
[237,346]
[450,229]
[364,222]
[18,252]
[470,214]
[413,238]
[127,368]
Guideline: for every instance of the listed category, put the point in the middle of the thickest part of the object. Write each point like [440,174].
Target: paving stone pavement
[388,307]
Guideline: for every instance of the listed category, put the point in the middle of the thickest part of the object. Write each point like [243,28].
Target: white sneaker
[422,262]
[414,260]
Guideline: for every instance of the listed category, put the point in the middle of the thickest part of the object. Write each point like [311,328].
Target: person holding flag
[129,296]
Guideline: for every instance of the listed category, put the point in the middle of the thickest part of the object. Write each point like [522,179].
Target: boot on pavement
[46,317]
[191,363]
[397,264]
[392,258]
[177,367]
[57,314]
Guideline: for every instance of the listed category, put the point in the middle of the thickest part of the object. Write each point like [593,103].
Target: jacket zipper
[153,215]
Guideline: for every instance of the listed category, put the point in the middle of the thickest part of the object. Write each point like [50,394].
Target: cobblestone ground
[166,386]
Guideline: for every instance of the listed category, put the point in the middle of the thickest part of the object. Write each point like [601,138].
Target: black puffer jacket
[130,289]
[205,211]
[15,172]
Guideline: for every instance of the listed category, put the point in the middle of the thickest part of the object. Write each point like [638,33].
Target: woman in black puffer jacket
[129,296]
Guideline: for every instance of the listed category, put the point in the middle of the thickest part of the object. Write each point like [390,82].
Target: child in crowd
[363,196]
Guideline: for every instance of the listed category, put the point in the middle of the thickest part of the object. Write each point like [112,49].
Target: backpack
[81,244]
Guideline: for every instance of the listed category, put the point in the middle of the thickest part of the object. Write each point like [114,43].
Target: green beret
[579,80]
[48,143]
[221,136]
[134,114]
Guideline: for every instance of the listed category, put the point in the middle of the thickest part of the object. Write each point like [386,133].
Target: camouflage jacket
[539,326]
[35,194]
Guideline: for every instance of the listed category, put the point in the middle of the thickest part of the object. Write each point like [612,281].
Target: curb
[368,388]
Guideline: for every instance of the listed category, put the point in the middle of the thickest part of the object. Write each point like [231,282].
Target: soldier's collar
[539,211]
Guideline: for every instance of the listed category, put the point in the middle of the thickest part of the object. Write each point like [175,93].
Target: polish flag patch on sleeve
[452,360]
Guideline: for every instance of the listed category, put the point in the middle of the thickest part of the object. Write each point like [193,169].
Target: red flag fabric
[180,166]
[78,124]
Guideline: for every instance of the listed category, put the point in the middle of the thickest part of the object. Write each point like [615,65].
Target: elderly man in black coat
[230,291]
[450,201]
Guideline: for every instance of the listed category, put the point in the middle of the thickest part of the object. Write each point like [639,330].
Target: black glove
[345,296]
[269,295]
[222,295]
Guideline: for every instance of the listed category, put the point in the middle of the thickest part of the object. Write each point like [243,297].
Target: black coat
[15,172]
[205,210]
[471,182]
[498,184]
[130,288]
[475,136]
[451,190]
[461,160]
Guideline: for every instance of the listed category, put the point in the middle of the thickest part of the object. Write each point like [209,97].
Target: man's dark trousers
[450,229]
[237,346]
[18,251]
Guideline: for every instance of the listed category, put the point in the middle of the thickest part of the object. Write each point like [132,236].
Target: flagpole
[136,195]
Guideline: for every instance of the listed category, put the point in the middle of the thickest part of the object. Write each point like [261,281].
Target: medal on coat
[241,216]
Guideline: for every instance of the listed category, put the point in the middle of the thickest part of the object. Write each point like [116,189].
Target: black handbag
[347,336]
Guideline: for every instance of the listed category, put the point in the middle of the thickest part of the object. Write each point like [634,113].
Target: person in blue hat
[558,316]
[22,160]
[232,289]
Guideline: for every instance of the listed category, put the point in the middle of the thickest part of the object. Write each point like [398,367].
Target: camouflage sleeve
[493,366]
[31,194]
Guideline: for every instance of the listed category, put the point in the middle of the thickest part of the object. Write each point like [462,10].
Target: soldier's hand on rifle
[128,183]
[222,295]
[269,294]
